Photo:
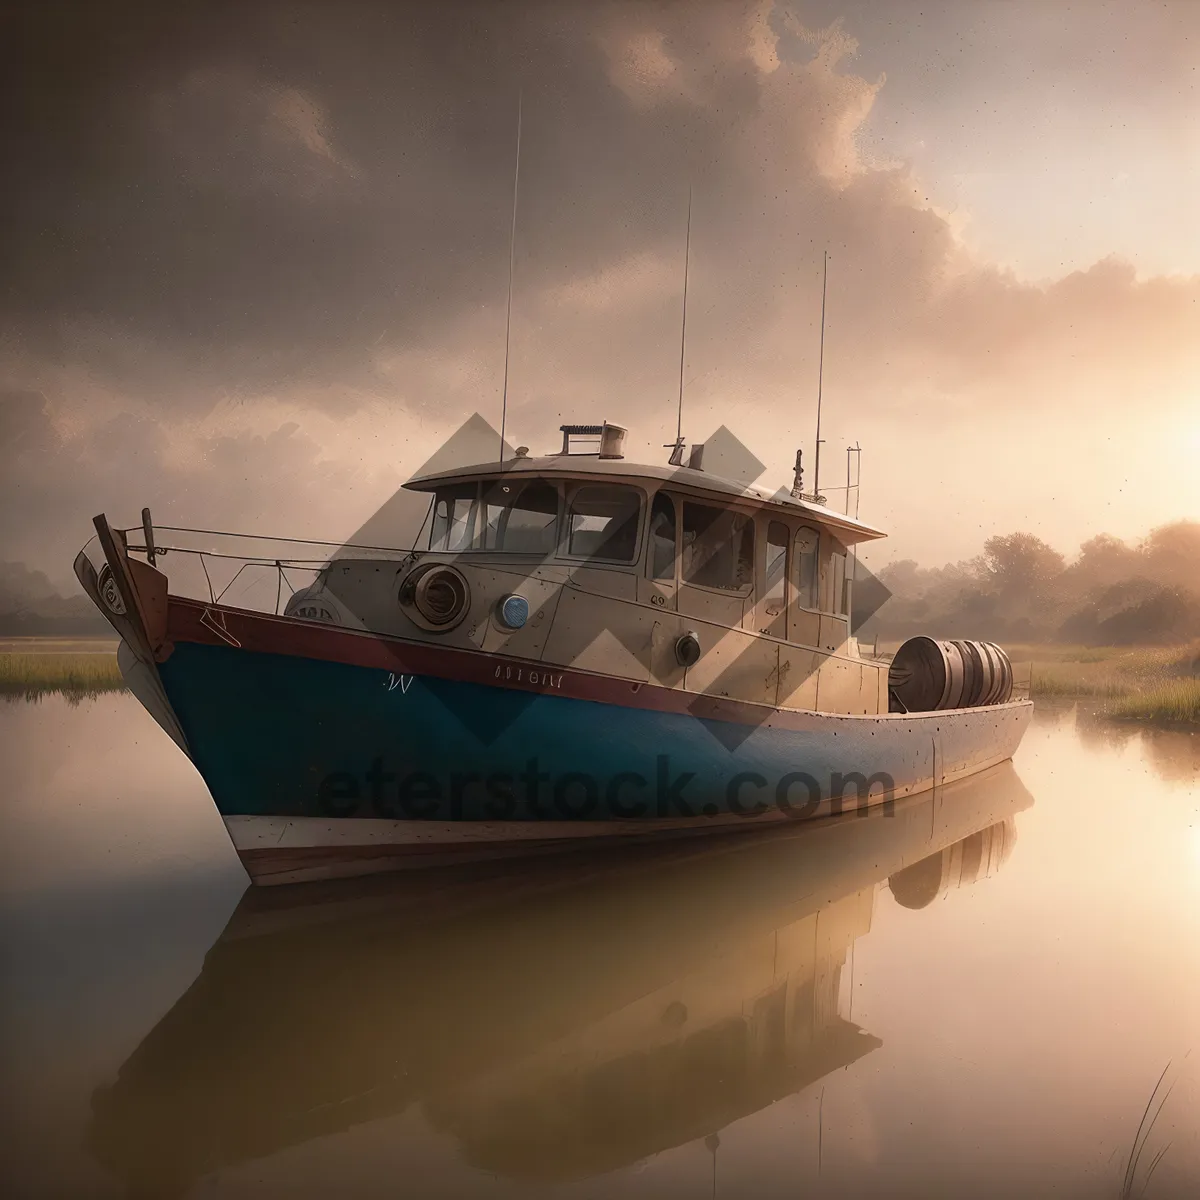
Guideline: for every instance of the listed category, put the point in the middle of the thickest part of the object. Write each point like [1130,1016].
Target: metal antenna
[677,452]
[820,379]
[856,450]
[512,247]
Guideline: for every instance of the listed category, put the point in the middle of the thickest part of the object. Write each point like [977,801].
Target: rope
[262,537]
[209,581]
[234,579]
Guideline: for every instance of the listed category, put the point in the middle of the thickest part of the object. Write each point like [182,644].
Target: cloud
[230,130]
[54,479]
[302,220]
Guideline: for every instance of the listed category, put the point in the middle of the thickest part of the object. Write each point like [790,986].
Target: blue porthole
[513,611]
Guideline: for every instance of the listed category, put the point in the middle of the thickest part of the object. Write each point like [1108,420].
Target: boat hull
[324,767]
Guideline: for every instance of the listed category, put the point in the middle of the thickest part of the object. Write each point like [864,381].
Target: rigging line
[687,255]
[425,518]
[206,578]
[512,249]
[236,574]
[263,537]
[300,564]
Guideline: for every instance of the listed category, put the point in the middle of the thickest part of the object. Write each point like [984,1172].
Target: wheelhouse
[683,539]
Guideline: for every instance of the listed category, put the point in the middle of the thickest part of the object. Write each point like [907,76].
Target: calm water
[973,997]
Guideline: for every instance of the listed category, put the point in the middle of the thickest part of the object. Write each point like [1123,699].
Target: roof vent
[604,440]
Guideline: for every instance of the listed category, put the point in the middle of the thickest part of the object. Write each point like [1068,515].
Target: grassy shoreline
[75,675]
[1153,684]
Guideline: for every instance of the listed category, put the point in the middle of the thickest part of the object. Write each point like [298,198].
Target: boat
[552,1021]
[581,649]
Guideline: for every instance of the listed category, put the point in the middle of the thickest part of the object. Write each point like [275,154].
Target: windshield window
[453,517]
[603,522]
[520,518]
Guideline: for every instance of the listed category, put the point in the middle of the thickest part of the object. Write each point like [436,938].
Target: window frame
[472,519]
[814,592]
[837,595]
[771,518]
[676,503]
[479,517]
[523,483]
[747,589]
[566,490]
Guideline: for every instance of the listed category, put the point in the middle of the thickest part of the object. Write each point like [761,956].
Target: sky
[254,256]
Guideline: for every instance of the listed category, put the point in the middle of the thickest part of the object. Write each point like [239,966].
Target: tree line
[1111,593]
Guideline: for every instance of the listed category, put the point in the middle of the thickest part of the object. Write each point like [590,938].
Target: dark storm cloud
[222,223]
[267,191]
[51,479]
[255,197]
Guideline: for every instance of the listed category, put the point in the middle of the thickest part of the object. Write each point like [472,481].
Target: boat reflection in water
[558,1021]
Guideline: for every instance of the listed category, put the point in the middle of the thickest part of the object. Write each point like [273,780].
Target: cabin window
[602,522]
[837,576]
[662,538]
[775,580]
[521,518]
[808,542]
[718,547]
[453,518]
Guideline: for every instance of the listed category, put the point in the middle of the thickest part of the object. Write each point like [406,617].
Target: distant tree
[1171,554]
[1021,564]
[1170,615]
[903,577]
[1104,560]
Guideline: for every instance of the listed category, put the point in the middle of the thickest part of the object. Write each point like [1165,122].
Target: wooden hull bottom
[286,850]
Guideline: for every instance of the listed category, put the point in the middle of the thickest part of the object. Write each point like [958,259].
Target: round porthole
[436,597]
[513,611]
[687,649]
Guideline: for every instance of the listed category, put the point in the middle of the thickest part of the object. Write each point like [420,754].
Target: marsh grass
[75,676]
[1142,1136]
[1059,683]
[1176,702]
[1149,683]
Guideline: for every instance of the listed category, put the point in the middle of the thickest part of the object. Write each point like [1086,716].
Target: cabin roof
[685,479]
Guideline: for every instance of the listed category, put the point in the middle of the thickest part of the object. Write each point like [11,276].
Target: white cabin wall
[736,664]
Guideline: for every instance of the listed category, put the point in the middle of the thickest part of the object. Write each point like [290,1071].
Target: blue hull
[281,735]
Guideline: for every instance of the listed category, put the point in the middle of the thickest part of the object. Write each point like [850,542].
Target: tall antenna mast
[676,459]
[820,379]
[512,247]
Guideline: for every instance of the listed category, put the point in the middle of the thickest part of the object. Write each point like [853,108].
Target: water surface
[972,997]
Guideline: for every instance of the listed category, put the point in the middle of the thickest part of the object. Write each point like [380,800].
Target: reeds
[1176,702]
[76,676]
[1049,682]
[1153,683]
[1142,1136]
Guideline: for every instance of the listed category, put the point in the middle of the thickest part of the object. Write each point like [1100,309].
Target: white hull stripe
[282,833]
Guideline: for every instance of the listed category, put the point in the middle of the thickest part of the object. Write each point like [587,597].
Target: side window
[718,547]
[453,518]
[775,569]
[602,522]
[837,574]
[662,538]
[808,542]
